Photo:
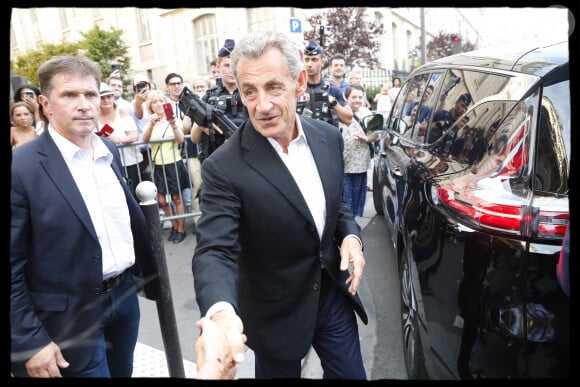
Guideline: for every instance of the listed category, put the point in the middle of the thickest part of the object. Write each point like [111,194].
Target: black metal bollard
[147,194]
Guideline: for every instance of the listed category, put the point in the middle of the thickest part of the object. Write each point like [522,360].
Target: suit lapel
[257,149]
[56,168]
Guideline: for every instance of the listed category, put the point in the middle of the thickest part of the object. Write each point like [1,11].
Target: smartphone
[105,131]
[29,94]
[115,67]
[168,110]
[141,86]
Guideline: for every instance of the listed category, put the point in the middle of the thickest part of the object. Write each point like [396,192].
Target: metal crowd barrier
[145,172]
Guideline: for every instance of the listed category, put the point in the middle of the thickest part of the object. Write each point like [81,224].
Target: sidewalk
[150,361]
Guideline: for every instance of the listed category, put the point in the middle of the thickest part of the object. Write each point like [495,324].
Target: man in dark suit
[77,234]
[275,239]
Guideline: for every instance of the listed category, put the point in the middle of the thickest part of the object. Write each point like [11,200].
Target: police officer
[224,96]
[322,99]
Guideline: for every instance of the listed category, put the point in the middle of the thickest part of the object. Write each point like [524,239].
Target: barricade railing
[145,171]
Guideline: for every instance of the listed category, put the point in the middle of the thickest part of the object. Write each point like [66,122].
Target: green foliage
[371,92]
[106,48]
[103,47]
[27,65]
[350,34]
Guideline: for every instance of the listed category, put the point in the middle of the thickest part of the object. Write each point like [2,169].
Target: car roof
[534,61]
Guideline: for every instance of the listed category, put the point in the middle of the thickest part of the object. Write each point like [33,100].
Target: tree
[26,65]
[106,48]
[103,47]
[442,45]
[347,31]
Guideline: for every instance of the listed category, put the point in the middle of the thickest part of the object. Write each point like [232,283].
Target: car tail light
[488,200]
[489,203]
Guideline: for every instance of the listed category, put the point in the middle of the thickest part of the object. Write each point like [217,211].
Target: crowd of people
[76,140]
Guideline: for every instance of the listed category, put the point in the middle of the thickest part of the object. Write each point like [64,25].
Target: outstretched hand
[220,347]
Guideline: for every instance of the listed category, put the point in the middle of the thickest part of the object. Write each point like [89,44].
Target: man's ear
[43,101]
[301,83]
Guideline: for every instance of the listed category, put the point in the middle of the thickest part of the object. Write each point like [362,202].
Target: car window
[552,166]
[462,90]
[413,107]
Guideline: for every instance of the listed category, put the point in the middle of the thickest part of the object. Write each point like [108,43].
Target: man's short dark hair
[337,56]
[172,75]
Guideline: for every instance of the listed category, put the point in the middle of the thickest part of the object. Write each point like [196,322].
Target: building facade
[184,40]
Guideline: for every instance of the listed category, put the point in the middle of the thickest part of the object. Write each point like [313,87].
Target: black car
[472,180]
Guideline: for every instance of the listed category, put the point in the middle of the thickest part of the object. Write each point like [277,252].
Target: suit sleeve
[214,262]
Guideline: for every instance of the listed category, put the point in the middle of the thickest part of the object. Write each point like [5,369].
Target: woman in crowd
[356,152]
[355,78]
[169,172]
[28,94]
[124,132]
[21,116]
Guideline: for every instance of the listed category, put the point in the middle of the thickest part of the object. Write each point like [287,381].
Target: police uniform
[231,104]
[314,101]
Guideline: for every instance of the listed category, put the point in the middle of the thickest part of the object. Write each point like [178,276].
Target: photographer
[224,96]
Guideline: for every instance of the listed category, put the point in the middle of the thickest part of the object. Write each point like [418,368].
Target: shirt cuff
[218,307]
[357,238]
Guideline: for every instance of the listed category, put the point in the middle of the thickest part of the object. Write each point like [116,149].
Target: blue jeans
[113,356]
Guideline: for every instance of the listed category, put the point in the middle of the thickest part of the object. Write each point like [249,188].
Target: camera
[222,102]
[141,85]
[29,94]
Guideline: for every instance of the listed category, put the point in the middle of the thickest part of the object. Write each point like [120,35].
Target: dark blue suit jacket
[257,244]
[55,256]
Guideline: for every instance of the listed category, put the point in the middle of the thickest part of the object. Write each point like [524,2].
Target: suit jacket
[257,244]
[56,258]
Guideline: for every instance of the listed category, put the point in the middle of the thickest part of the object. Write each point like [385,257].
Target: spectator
[124,132]
[356,153]
[355,78]
[21,119]
[394,91]
[174,86]
[115,83]
[215,72]
[273,221]
[141,88]
[200,86]
[322,98]
[76,235]
[170,175]
[338,71]
[383,101]
[28,94]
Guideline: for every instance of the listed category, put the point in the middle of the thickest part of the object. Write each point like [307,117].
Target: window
[206,41]
[143,30]
[63,18]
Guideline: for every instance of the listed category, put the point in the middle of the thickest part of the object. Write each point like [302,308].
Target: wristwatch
[333,103]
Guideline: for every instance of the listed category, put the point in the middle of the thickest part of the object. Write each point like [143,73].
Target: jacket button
[315,286]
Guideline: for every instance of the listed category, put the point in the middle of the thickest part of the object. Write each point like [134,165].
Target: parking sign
[295,25]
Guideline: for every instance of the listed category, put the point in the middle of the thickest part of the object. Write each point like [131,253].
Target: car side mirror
[372,123]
